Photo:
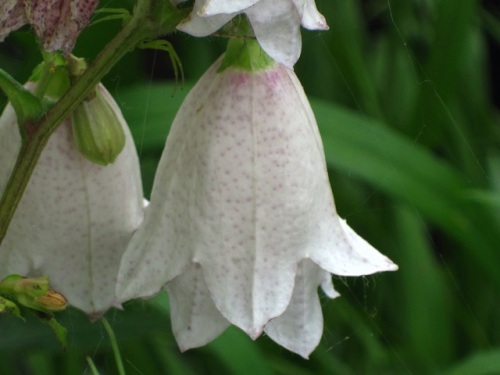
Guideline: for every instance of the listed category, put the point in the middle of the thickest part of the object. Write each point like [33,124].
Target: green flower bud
[49,302]
[33,293]
[17,284]
[97,130]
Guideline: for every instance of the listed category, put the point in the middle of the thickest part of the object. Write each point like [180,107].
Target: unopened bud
[97,130]
[17,284]
[51,301]
[33,293]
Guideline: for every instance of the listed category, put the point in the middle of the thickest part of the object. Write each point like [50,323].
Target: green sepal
[51,76]
[245,54]
[26,105]
[97,130]
[243,51]
[7,306]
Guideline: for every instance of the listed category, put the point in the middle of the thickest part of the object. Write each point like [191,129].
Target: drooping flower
[75,218]
[11,17]
[242,226]
[57,23]
[276,23]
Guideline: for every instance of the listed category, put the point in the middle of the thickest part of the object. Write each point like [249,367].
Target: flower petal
[213,7]
[75,218]
[195,319]
[353,256]
[59,22]
[162,248]
[244,166]
[310,17]
[276,25]
[11,17]
[300,327]
[196,25]
[335,247]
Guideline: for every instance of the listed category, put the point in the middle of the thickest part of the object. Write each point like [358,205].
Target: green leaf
[425,293]
[482,363]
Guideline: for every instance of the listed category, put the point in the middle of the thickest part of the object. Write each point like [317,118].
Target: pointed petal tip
[254,333]
[378,261]
[319,24]
[392,266]
[183,347]
[95,316]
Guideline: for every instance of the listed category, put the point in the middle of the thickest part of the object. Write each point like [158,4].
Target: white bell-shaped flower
[276,23]
[242,223]
[75,218]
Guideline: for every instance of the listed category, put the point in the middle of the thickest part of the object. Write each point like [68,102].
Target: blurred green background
[404,93]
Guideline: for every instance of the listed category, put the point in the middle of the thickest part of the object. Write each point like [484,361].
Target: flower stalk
[149,19]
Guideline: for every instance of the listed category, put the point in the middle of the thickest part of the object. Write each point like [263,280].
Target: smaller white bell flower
[76,217]
[276,23]
[242,226]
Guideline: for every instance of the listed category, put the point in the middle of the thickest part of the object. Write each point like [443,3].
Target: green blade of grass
[481,363]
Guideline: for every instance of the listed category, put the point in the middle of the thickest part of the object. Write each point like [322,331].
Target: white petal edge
[353,256]
[310,17]
[213,7]
[276,24]
[195,319]
[199,26]
[300,328]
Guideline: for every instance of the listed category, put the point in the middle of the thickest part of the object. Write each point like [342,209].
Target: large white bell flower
[276,23]
[75,218]
[242,226]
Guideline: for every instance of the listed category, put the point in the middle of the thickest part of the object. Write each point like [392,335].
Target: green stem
[144,24]
[114,345]
[92,366]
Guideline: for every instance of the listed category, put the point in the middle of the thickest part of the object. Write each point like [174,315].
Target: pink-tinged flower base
[75,218]
[242,226]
